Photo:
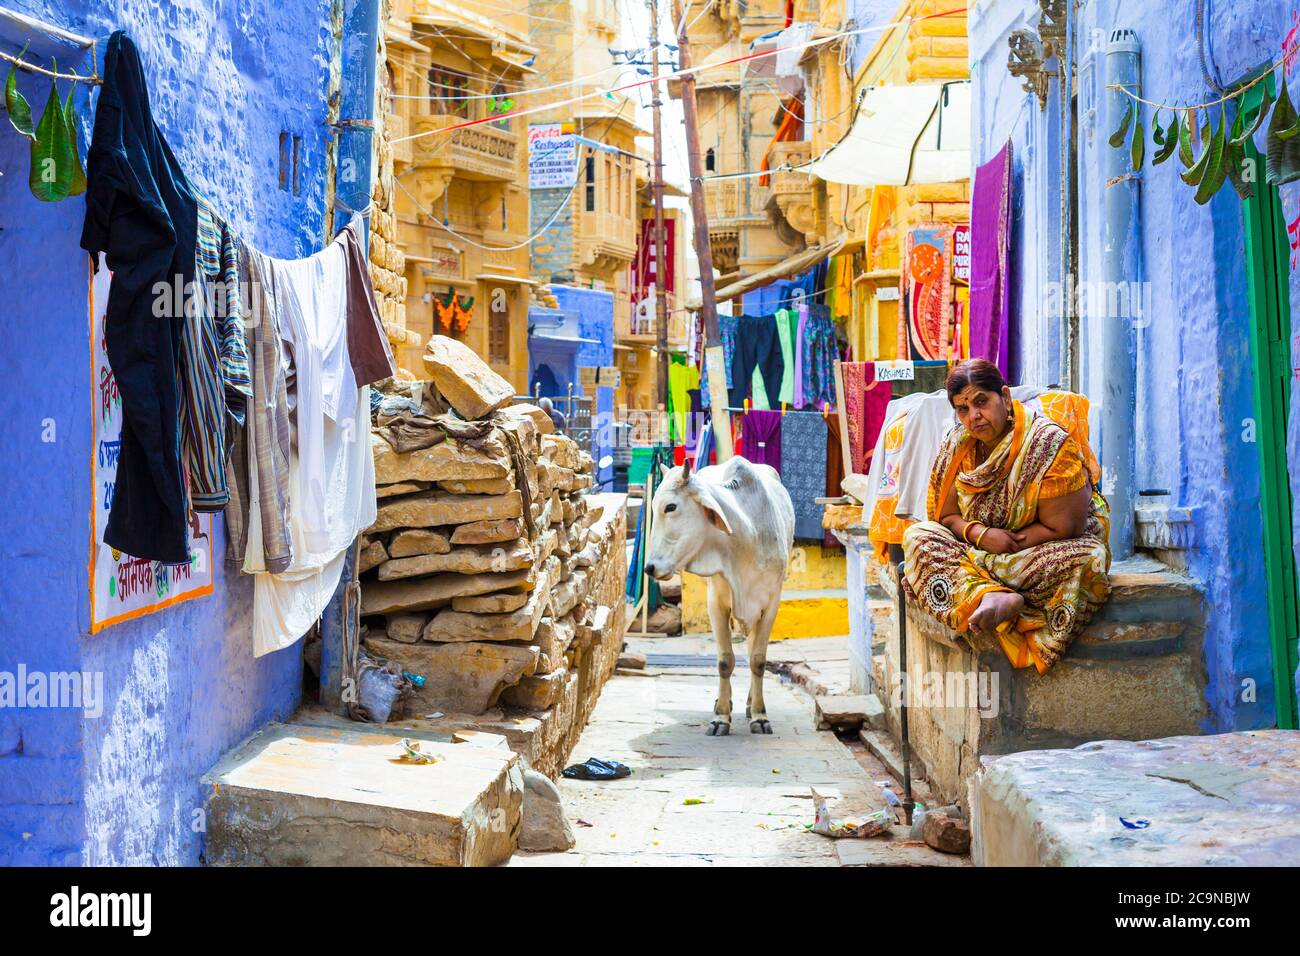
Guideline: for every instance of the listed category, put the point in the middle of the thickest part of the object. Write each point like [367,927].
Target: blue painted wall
[181,686]
[595,310]
[1192,350]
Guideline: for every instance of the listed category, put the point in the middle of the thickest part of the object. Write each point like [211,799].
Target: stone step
[295,795]
[1220,800]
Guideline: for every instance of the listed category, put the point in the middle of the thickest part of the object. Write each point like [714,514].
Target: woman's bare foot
[995,608]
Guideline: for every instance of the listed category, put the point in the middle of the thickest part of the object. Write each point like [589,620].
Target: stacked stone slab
[480,573]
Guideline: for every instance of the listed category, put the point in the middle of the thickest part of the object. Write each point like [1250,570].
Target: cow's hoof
[760,726]
[718,728]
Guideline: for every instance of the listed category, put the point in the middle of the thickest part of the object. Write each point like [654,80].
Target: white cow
[734,524]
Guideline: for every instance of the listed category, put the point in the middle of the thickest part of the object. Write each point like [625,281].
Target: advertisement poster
[552,156]
[123,587]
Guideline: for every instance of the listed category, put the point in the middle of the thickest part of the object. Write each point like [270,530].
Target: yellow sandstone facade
[456,192]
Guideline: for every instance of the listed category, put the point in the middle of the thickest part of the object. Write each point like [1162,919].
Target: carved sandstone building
[460,194]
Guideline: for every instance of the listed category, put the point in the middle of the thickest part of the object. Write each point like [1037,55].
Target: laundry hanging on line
[261,401]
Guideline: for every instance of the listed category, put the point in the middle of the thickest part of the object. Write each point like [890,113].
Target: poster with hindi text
[123,587]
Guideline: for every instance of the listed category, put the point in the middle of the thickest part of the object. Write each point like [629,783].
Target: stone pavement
[754,788]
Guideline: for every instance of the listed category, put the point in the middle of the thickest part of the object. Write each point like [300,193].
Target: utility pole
[713,353]
[661,239]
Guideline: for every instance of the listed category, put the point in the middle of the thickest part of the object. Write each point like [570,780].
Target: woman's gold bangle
[965,529]
[981,538]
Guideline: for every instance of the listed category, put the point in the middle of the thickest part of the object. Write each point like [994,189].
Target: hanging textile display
[254,383]
[787,322]
[818,352]
[141,213]
[452,313]
[990,250]
[834,469]
[803,447]
[865,401]
[925,319]
[757,363]
[660,457]
[682,379]
[762,431]
[923,377]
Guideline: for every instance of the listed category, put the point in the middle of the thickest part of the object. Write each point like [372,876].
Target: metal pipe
[341,623]
[1121,270]
[905,745]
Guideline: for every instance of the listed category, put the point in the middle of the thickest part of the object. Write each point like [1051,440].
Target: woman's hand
[997,541]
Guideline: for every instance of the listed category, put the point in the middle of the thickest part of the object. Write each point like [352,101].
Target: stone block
[448,460]
[321,796]
[1211,801]
[466,559]
[945,833]
[371,556]
[490,531]
[465,678]
[502,602]
[405,628]
[538,692]
[467,382]
[847,710]
[452,625]
[479,486]
[423,594]
[414,541]
[402,488]
[434,508]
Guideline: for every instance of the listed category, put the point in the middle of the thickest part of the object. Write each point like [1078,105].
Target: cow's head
[686,519]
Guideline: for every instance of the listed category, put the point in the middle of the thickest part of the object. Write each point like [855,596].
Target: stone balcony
[791,191]
[399,128]
[484,153]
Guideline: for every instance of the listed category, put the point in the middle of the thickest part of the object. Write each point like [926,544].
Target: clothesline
[94,77]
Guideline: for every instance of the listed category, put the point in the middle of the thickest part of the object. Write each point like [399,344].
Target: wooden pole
[661,239]
[713,352]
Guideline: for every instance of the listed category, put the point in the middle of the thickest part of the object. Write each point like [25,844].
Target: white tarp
[903,135]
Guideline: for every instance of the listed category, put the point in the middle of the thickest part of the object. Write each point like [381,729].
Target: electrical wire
[668,77]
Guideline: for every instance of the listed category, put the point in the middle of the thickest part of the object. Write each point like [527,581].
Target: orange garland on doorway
[452,313]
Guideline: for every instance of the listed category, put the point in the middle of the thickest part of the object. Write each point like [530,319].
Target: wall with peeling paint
[229,83]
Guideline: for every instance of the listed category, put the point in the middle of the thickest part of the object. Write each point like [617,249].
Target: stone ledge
[1220,800]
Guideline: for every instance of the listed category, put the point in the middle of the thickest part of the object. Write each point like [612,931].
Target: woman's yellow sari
[1062,582]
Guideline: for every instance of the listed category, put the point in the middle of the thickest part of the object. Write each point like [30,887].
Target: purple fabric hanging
[762,432]
[990,247]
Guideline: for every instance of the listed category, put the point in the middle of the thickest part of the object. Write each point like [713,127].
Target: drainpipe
[341,623]
[1121,270]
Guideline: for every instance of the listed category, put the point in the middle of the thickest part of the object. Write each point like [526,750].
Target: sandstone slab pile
[486,571]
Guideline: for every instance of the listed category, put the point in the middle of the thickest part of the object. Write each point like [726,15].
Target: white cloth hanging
[331,468]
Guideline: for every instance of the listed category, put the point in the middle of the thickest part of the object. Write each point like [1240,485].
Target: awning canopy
[902,135]
[782,270]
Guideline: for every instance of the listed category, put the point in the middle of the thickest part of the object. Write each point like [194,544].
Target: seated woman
[1016,544]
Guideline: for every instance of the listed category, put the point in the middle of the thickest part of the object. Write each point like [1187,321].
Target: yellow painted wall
[806,609]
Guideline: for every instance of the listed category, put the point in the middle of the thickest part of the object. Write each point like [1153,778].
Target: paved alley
[755,789]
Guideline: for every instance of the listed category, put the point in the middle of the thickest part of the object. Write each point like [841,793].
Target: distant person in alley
[557,416]
[1016,544]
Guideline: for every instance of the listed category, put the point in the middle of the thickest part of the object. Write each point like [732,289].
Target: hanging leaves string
[1214,152]
[56,170]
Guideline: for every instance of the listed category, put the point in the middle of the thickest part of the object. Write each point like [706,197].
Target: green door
[1267,278]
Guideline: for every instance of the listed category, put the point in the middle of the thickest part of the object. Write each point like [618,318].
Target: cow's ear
[663,473]
[713,511]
